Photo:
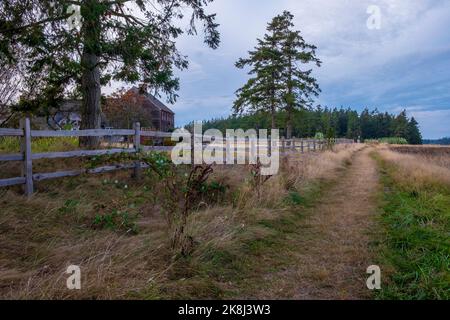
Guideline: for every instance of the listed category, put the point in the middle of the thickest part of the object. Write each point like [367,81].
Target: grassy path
[332,252]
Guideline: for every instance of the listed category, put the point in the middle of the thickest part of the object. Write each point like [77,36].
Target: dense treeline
[338,123]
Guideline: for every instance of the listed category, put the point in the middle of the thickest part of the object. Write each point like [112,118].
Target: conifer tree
[300,86]
[414,135]
[278,82]
[401,125]
[264,91]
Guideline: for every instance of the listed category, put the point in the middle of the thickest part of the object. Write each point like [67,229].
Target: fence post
[193,149]
[293,144]
[254,144]
[25,149]
[303,146]
[269,145]
[137,147]
[283,144]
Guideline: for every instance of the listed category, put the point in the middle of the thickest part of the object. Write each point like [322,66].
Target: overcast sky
[404,64]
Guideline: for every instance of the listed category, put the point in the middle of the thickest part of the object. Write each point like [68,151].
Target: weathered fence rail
[26,156]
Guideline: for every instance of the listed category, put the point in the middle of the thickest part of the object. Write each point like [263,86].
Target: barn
[162,118]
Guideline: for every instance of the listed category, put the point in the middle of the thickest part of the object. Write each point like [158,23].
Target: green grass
[388,140]
[38,145]
[416,246]
[394,140]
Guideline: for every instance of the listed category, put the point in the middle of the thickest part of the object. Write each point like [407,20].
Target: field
[308,233]
[416,222]
[439,155]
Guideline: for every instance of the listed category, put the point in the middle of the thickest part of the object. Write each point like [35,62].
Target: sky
[405,64]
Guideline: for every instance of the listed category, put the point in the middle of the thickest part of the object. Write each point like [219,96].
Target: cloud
[434,124]
[194,109]
[403,65]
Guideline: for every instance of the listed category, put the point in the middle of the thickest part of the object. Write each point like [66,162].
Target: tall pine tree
[264,91]
[300,86]
[401,125]
[278,82]
[414,135]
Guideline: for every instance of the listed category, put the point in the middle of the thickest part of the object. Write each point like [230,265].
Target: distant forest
[443,141]
[332,123]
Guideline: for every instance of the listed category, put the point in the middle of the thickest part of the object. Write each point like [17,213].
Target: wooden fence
[26,156]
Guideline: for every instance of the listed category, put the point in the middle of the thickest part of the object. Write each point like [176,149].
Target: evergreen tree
[300,85]
[367,125]
[414,135]
[385,125]
[128,40]
[401,125]
[263,92]
[278,82]
[353,125]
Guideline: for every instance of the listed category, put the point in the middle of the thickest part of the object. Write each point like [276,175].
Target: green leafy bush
[116,221]
[319,136]
[213,192]
[390,140]
[394,140]
[69,207]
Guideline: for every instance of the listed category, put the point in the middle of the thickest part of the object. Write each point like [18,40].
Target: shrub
[212,192]
[117,220]
[394,140]
[319,136]
[183,190]
[69,207]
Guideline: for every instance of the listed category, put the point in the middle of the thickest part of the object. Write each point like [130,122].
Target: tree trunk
[289,124]
[273,114]
[90,80]
[273,108]
[91,115]
[290,102]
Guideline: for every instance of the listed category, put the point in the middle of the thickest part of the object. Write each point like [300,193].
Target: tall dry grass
[39,241]
[442,160]
[418,170]
[439,155]
[218,225]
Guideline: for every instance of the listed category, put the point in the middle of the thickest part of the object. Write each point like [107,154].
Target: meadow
[308,232]
[116,230]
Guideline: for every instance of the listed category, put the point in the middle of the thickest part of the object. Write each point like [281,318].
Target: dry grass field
[310,234]
[439,155]
[114,228]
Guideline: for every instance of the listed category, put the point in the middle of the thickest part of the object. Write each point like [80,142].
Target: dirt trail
[334,245]
[335,260]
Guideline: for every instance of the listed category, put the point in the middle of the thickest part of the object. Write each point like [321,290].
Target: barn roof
[154,101]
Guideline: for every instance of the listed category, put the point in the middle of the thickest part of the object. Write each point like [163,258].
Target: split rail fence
[26,156]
